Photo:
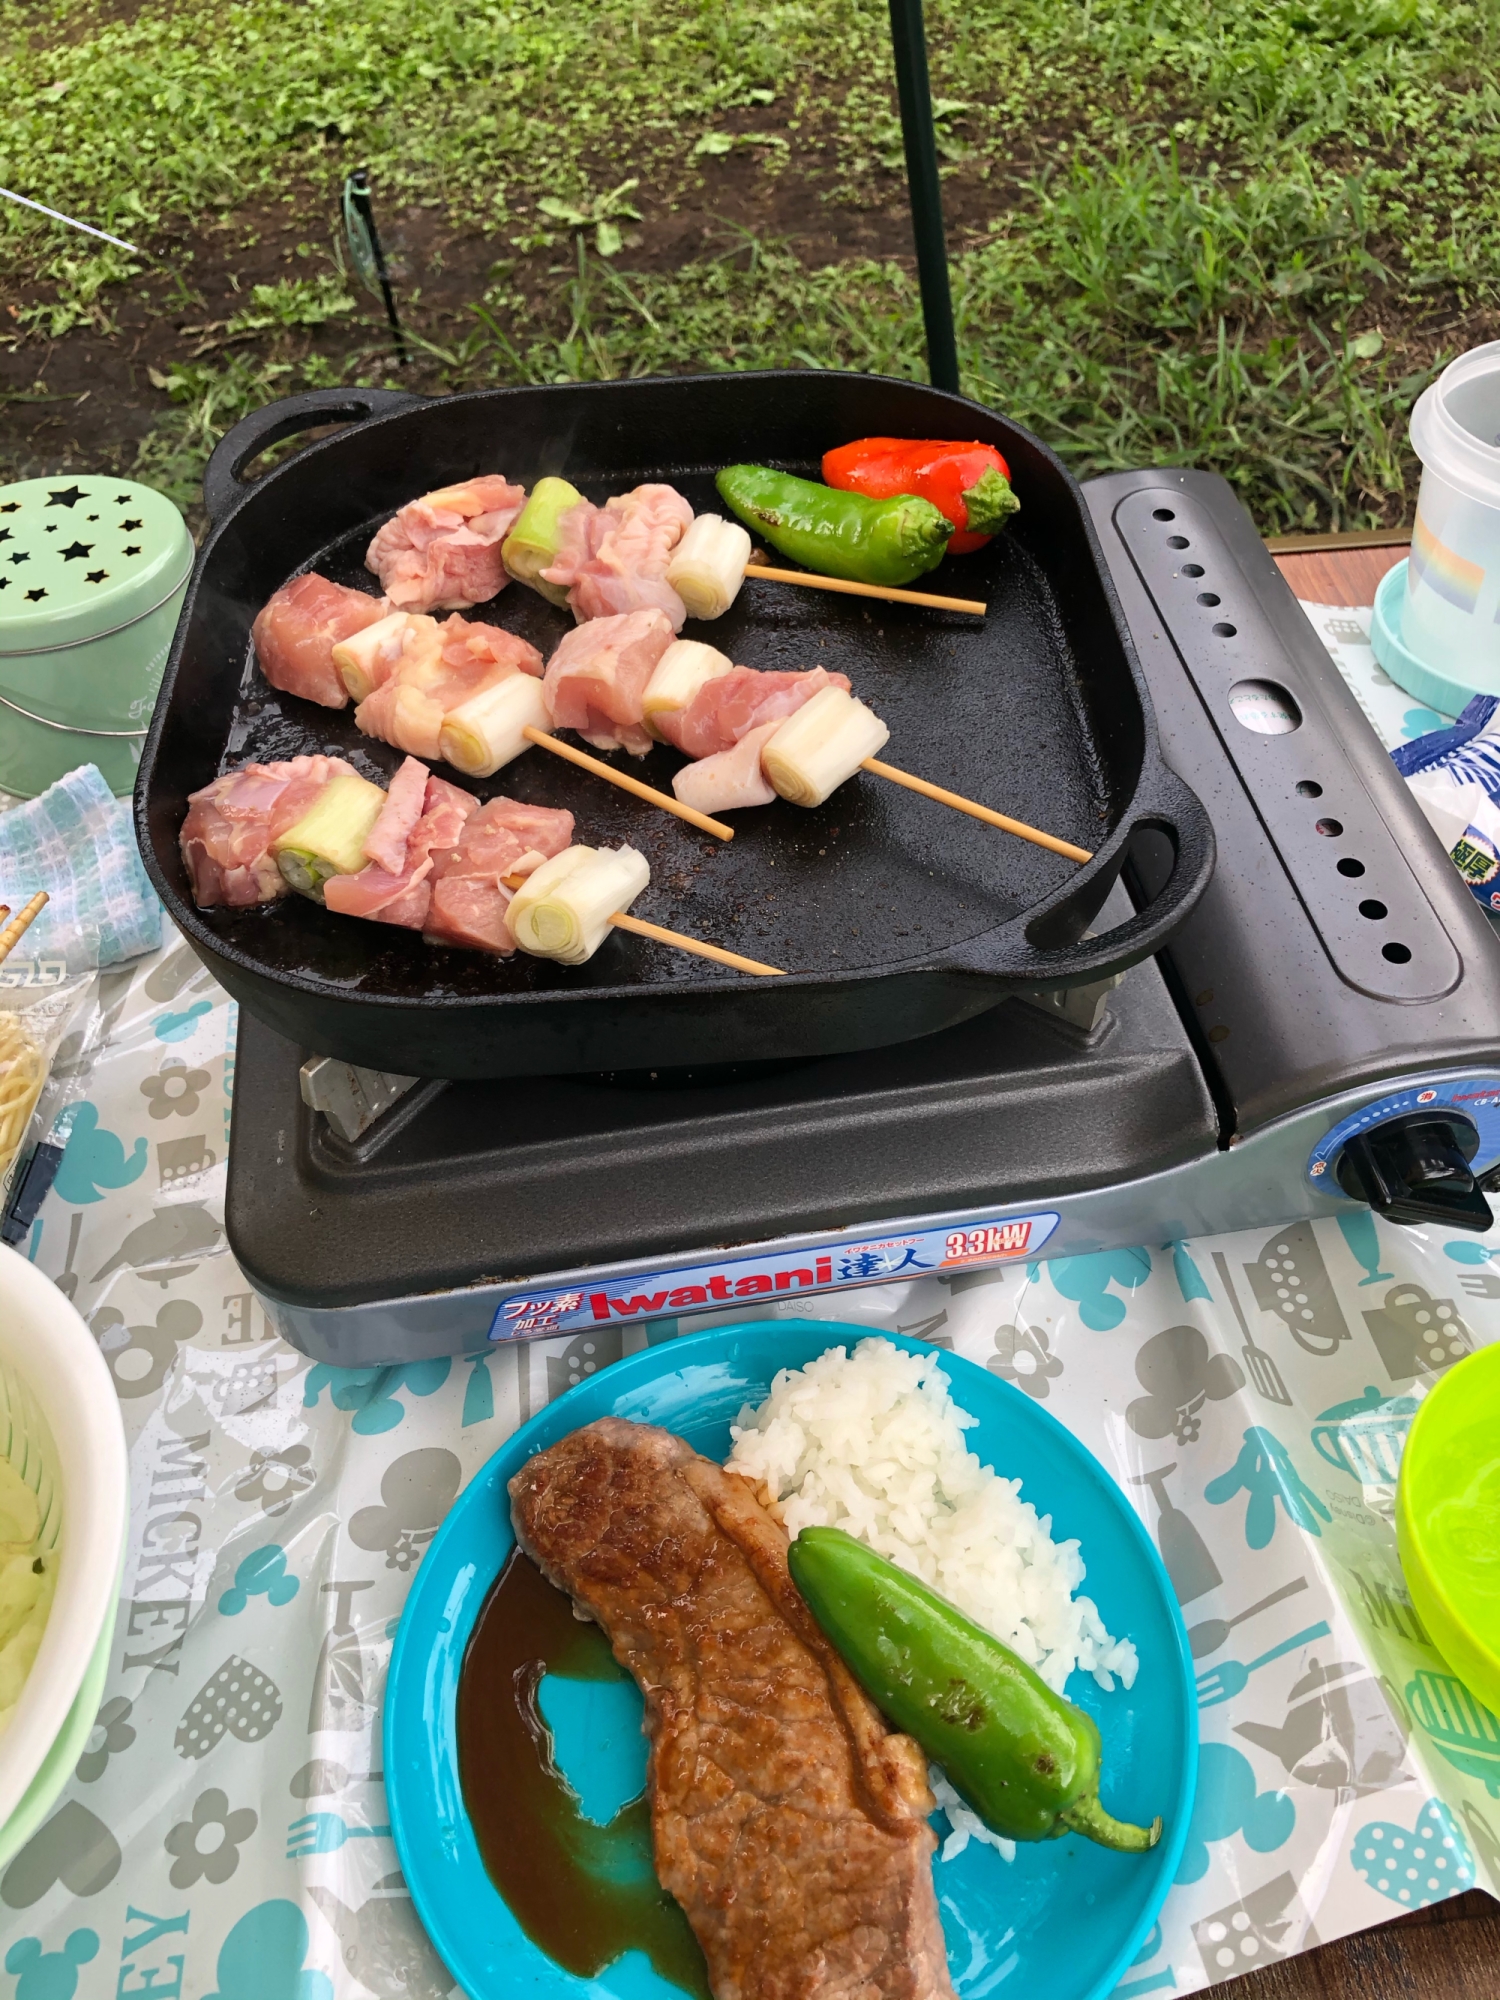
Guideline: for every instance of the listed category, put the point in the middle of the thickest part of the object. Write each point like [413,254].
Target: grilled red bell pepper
[970,483]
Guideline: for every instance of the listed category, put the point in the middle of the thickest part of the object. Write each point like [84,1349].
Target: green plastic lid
[1448,1520]
[81,556]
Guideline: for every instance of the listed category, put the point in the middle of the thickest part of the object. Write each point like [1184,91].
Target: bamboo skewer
[873,764]
[961,804]
[685,943]
[973,606]
[10,936]
[679,939]
[642,791]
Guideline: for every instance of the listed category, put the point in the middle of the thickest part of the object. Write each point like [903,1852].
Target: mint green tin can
[92,576]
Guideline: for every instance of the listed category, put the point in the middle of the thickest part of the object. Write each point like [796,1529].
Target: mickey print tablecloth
[225,1837]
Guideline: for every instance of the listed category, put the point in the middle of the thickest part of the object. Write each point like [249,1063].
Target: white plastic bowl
[60,1428]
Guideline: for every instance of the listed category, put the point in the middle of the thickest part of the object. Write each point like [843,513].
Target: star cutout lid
[89,556]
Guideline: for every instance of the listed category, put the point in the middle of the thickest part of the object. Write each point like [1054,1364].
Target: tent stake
[366,253]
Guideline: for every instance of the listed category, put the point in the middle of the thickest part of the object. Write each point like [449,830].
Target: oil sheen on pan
[585,1894]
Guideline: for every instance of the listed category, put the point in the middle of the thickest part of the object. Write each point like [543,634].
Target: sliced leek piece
[563,911]
[708,565]
[330,837]
[824,742]
[489,730]
[367,658]
[532,544]
[683,668]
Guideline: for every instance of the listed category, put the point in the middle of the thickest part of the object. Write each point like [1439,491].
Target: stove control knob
[1415,1169]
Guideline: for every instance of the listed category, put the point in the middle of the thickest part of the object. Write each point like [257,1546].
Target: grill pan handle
[222,485]
[1163,804]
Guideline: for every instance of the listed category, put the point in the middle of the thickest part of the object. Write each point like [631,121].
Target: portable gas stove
[1323,1029]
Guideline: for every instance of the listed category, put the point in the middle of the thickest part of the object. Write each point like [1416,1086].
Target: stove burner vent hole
[1265,708]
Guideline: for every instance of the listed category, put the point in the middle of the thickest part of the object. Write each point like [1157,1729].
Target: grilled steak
[789,1823]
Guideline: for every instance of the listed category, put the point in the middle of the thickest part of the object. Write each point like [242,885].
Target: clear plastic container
[1451,616]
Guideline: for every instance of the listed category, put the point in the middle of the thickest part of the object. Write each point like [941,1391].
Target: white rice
[966,1825]
[872,1442]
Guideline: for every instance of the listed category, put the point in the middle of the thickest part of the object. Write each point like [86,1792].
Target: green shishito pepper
[888,542]
[1025,1759]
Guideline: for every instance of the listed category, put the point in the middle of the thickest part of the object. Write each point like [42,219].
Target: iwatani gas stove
[1323,1029]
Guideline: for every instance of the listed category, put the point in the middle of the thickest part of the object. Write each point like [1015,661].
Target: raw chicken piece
[731,777]
[445,810]
[504,830]
[491,641]
[231,823]
[469,912]
[407,710]
[442,552]
[596,679]
[723,710]
[404,803]
[469,900]
[578,531]
[613,559]
[378,894]
[395,888]
[297,630]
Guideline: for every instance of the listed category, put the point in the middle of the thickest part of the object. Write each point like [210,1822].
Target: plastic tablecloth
[225,1835]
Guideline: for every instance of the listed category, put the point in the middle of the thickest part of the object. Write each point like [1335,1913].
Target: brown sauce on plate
[584,1894]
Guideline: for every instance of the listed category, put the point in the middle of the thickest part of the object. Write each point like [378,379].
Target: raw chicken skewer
[803,756]
[419,854]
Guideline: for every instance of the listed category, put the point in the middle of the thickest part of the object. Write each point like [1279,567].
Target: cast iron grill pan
[896,916]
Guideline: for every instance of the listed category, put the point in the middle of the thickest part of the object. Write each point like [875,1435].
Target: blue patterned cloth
[1454,774]
[76,842]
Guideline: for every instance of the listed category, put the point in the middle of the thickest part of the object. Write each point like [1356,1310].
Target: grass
[1242,238]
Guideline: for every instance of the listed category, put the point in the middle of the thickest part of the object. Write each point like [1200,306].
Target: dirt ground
[89,398]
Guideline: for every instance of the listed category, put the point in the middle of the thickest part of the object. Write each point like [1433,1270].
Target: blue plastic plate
[1064,1919]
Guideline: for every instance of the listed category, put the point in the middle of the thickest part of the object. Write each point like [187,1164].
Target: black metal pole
[920,138]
